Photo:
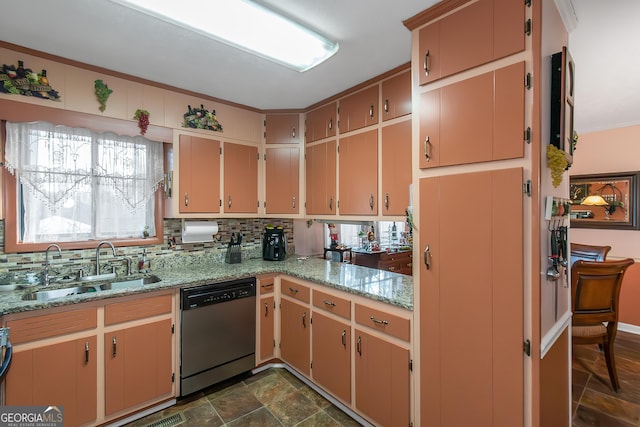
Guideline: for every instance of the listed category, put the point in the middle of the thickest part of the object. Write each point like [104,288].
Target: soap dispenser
[144,264]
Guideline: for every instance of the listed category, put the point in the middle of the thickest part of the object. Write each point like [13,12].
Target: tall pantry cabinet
[475,200]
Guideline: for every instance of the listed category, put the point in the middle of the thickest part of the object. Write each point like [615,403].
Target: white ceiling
[372,41]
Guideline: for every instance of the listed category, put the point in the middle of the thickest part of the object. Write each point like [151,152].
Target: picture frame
[618,206]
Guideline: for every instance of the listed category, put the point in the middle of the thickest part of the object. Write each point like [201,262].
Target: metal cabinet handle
[304,319]
[186,199]
[331,123]
[378,321]
[371,202]
[266,309]
[371,111]
[294,290]
[359,346]
[330,203]
[293,134]
[329,303]
[294,202]
[427,256]
[386,105]
[427,143]
[386,200]
[426,63]
[115,344]
[229,202]
[344,338]
[86,353]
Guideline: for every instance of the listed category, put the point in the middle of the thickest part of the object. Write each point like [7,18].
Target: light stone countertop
[380,285]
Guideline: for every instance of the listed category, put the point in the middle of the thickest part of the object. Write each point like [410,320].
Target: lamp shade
[594,201]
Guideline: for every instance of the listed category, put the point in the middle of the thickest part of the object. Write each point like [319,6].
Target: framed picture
[562,93]
[607,200]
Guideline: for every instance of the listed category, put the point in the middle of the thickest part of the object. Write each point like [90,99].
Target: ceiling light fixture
[245,25]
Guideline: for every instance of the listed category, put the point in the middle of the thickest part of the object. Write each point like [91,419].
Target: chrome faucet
[113,249]
[46,278]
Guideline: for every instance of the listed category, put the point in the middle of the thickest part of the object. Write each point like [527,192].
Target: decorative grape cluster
[557,162]
[143,120]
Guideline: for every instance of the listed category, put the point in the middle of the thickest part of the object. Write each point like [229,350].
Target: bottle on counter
[394,233]
[143,264]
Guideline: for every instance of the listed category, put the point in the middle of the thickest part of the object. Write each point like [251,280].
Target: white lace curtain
[57,164]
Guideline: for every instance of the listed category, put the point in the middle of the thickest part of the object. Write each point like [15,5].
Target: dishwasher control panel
[216,293]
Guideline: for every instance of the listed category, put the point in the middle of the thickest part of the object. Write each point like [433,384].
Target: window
[76,185]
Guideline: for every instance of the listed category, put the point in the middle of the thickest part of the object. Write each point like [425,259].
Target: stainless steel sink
[131,283]
[50,294]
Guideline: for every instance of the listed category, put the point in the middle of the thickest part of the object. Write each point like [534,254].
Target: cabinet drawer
[51,325]
[137,309]
[382,321]
[266,285]
[332,304]
[295,290]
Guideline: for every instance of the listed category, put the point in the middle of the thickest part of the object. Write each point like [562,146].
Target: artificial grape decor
[557,162]
[143,120]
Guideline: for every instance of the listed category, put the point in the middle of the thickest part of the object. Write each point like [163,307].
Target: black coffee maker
[274,244]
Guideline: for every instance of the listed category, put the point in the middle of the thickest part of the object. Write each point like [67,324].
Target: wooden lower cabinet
[266,310]
[295,335]
[62,374]
[138,365]
[382,380]
[331,355]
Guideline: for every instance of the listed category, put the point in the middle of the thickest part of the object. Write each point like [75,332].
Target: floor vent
[170,421]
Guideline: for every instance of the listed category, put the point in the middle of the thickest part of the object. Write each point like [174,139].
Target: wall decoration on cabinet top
[199,118]
[19,80]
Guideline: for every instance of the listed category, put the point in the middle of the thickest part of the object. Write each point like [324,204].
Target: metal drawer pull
[295,291]
[427,255]
[186,199]
[344,338]
[379,322]
[426,63]
[86,353]
[266,309]
[359,346]
[327,302]
[114,346]
[426,148]
[304,319]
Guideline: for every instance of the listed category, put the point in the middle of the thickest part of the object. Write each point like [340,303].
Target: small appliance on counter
[274,243]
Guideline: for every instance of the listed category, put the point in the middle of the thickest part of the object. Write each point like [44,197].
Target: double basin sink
[49,294]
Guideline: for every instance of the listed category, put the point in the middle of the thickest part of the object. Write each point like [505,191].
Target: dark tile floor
[594,402]
[273,397]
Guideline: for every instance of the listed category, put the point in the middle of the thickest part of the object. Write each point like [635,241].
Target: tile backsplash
[159,255]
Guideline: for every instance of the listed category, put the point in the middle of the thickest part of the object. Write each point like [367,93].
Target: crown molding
[568,14]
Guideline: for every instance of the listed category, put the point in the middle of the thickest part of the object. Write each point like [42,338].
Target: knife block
[234,255]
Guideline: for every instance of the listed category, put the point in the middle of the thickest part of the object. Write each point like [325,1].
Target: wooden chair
[595,290]
[588,252]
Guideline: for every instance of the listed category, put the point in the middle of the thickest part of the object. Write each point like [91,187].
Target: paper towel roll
[199,231]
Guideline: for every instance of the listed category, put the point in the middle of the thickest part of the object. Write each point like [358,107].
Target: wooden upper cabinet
[282,129]
[240,178]
[477,34]
[396,168]
[358,182]
[491,107]
[396,96]
[199,175]
[359,110]
[283,180]
[321,123]
[321,178]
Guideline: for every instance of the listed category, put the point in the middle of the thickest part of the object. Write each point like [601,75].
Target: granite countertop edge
[379,285]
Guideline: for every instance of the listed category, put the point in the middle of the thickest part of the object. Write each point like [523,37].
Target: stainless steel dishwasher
[218,333]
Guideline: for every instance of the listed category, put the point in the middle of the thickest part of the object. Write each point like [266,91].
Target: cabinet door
[321,178]
[138,365]
[63,374]
[429,139]
[359,174]
[396,168]
[265,314]
[321,123]
[282,129]
[382,380]
[283,180]
[359,110]
[240,178]
[294,335]
[331,343]
[479,306]
[199,175]
[396,96]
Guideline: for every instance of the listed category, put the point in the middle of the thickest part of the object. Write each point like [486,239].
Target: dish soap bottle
[143,264]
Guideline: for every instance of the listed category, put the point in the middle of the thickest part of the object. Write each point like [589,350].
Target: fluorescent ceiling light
[245,25]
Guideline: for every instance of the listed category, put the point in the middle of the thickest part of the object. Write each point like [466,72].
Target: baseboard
[626,327]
